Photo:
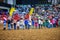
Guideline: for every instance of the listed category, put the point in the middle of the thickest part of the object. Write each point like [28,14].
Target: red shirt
[27,16]
[3,16]
[16,17]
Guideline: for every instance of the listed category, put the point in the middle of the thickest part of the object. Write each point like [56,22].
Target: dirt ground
[32,34]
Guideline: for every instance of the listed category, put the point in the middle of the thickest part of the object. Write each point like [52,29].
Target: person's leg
[28,26]
[17,27]
[4,27]
[22,26]
[51,25]
[32,26]
[58,23]
[14,26]
[36,26]
[39,26]
[9,26]
[54,25]
[25,26]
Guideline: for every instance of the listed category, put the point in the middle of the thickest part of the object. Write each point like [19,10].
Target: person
[4,22]
[22,23]
[9,23]
[26,23]
[15,18]
[46,23]
[36,24]
[40,23]
[54,22]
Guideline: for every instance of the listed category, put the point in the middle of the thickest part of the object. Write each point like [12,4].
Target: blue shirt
[26,21]
[4,21]
[32,22]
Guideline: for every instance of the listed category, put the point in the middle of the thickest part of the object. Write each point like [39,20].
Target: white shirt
[18,23]
[49,21]
[40,22]
[30,23]
[21,22]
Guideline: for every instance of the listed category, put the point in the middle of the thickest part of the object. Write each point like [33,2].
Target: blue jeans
[50,26]
[28,26]
[14,26]
[4,25]
[9,26]
[54,25]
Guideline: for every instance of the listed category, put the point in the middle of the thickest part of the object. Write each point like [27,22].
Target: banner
[31,11]
[11,11]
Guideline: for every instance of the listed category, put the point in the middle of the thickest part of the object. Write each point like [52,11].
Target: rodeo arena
[30,20]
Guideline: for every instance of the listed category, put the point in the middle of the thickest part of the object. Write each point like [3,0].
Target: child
[22,23]
[26,23]
[50,24]
[4,22]
[36,24]
[15,18]
[46,23]
[40,23]
[53,21]
[9,23]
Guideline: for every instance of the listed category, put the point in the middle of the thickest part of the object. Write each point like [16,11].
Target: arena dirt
[31,34]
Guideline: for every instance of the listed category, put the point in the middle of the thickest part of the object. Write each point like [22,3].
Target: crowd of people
[42,17]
